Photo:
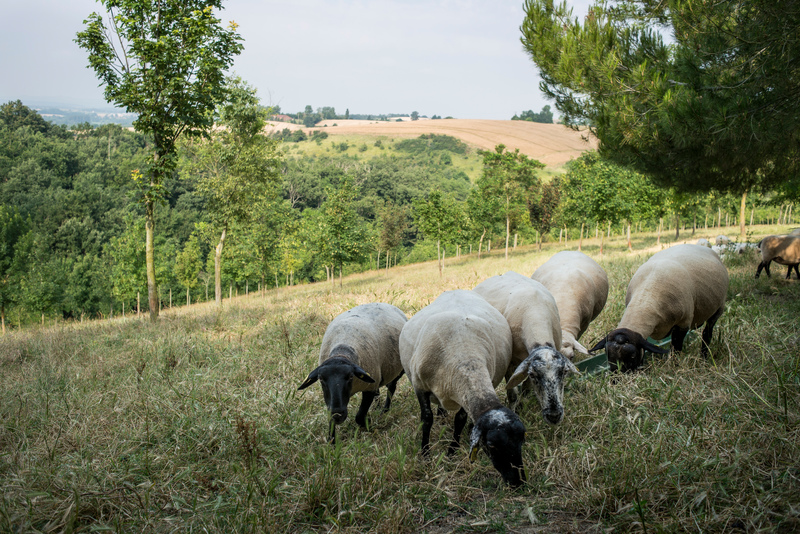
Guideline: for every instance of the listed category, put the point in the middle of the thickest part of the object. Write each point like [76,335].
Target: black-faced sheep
[783,249]
[457,350]
[677,289]
[359,353]
[532,314]
[580,287]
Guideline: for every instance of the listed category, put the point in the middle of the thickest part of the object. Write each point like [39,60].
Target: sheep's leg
[459,422]
[708,331]
[789,272]
[763,265]
[678,336]
[366,401]
[390,389]
[426,415]
[797,272]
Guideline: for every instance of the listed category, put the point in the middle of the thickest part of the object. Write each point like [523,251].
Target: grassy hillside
[194,423]
[552,144]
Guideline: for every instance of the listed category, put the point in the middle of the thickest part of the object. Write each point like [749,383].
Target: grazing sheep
[783,249]
[580,287]
[704,242]
[678,288]
[359,353]
[722,240]
[532,314]
[457,350]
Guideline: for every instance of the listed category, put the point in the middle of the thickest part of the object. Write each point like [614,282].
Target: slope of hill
[552,144]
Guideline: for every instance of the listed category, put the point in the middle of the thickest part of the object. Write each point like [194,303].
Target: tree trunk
[187,296]
[138,304]
[387,261]
[218,268]
[508,229]
[630,247]
[601,243]
[341,283]
[439,257]
[580,241]
[660,224]
[152,288]
[480,243]
[677,226]
[742,213]
[378,263]
[3,317]
[170,297]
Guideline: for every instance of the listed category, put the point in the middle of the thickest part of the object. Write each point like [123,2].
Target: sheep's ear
[362,375]
[579,348]
[474,443]
[600,345]
[571,367]
[520,374]
[646,345]
[310,379]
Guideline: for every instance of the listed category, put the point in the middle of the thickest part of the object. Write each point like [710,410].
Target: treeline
[72,220]
[310,117]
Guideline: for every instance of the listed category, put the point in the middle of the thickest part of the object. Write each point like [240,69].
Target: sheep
[457,350]
[533,316]
[703,242]
[722,240]
[580,287]
[678,288]
[783,249]
[359,353]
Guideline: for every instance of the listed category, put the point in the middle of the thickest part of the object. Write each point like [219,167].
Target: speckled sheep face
[501,434]
[547,369]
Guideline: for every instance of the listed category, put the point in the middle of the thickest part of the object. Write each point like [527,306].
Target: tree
[439,218]
[393,225]
[12,229]
[414,116]
[542,207]
[598,190]
[188,265]
[345,232]
[545,116]
[164,60]
[235,168]
[715,108]
[510,177]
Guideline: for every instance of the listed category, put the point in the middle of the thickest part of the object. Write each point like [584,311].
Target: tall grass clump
[195,423]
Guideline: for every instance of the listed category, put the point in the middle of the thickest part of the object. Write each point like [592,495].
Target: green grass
[194,423]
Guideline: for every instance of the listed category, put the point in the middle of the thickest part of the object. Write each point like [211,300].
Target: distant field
[552,144]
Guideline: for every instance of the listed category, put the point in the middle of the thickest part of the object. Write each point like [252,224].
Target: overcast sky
[461,58]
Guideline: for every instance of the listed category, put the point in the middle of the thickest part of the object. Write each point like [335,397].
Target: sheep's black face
[336,377]
[625,349]
[501,434]
[622,354]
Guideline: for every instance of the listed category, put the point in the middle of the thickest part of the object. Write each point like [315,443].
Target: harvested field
[552,144]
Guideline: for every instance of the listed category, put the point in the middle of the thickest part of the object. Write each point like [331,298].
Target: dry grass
[552,144]
[194,423]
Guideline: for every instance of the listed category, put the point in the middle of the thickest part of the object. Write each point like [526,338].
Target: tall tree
[345,232]
[12,228]
[715,106]
[439,218]
[509,177]
[237,167]
[164,60]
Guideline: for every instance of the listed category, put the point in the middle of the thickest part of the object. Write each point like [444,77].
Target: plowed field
[552,144]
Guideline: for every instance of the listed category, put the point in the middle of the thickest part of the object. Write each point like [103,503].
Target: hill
[552,144]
